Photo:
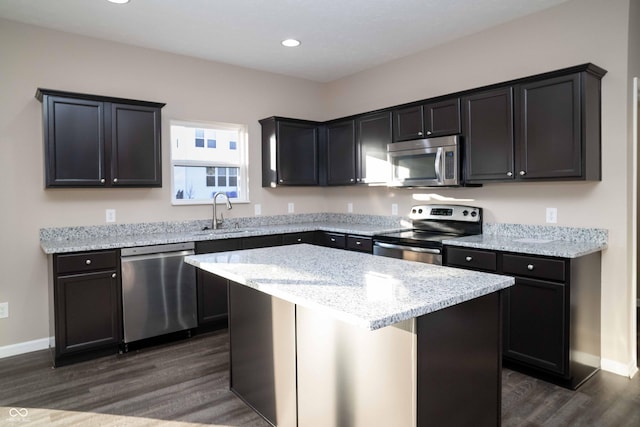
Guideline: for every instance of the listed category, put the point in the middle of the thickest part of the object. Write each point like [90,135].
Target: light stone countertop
[361,289]
[555,241]
[80,242]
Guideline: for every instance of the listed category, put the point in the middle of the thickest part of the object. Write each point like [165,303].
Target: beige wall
[576,32]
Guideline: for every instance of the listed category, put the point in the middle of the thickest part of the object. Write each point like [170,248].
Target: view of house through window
[207,158]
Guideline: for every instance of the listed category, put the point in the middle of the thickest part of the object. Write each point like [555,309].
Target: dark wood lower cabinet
[87,305]
[551,316]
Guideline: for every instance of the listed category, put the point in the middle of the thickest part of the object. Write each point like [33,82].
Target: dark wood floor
[187,382]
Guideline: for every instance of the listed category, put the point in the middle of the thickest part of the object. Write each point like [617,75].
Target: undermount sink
[219,231]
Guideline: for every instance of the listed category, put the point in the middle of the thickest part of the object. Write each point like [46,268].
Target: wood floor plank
[186,383]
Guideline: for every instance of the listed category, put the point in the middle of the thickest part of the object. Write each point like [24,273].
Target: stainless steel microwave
[432,162]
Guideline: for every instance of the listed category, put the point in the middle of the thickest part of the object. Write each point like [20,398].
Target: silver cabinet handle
[102,181]
[509,173]
[351,180]
[428,132]
[522,173]
[281,180]
[115,179]
[468,259]
[358,243]
[299,240]
[420,133]
[113,276]
[333,240]
[88,262]
[530,267]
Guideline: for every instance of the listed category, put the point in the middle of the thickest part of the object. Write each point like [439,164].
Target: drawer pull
[88,262]
[113,276]
[468,259]
[299,240]
[530,267]
[358,243]
[333,239]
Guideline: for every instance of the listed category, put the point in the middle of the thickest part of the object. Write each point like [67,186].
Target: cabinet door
[341,153]
[374,133]
[442,118]
[262,241]
[297,153]
[408,123]
[549,134]
[74,142]
[212,299]
[488,136]
[88,311]
[136,159]
[535,325]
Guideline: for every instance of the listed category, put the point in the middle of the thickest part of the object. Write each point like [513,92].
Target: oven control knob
[413,211]
[465,212]
[419,211]
[474,214]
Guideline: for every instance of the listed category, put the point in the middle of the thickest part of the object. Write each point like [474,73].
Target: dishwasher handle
[156,255]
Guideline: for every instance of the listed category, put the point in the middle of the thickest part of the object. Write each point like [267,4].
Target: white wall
[575,32]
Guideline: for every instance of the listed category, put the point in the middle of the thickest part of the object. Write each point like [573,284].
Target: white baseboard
[24,347]
[619,368]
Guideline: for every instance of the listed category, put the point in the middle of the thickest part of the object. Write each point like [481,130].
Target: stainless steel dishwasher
[158,291]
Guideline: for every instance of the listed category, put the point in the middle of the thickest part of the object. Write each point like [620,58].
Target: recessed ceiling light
[291,43]
[118,1]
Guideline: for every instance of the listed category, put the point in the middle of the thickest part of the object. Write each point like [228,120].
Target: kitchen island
[323,337]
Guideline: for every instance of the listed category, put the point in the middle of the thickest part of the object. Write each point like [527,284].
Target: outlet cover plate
[4,310]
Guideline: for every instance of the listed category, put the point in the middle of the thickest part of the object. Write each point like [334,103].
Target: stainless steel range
[431,225]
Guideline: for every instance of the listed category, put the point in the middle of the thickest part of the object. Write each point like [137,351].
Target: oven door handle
[408,248]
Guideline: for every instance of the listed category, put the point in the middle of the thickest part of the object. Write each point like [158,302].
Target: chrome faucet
[216,222]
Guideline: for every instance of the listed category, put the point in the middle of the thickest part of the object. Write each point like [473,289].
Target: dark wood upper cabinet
[428,120]
[290,152]
[442,118]
[408,123]
[95,141]
[135,146]
[374,132]
[488,135]
[546,127]
[549,128]
[341,153]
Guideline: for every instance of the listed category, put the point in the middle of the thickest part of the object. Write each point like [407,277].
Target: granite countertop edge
[555,248]
[340,307]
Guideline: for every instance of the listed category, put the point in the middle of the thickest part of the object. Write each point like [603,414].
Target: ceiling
[339,37]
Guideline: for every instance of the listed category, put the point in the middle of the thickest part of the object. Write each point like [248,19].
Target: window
[207,158]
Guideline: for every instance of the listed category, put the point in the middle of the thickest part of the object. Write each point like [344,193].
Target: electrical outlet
[552,215]
[394,209]
[110,215]
[257,209]
[4,310]
[350,207]
[290,208]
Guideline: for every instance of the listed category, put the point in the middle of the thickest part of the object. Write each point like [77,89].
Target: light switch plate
[552,215]
[394,209]
[257,209]
[350,207]
[4,310]
[110,215]
[290,208]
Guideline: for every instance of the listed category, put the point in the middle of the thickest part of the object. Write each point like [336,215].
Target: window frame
[242,147]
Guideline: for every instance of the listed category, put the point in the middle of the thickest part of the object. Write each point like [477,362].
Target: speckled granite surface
[361,289]
[564,242]
[77,239]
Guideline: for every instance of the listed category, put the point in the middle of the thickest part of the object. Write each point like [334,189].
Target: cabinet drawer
[304,237]
[472,259]
[86,261]
[221,245]
[359,243]
[539,268]
[334,240]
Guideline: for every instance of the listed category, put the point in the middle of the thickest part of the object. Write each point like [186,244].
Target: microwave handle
[439,165]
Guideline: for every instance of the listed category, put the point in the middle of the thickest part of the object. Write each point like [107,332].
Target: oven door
[419,167]
[410,253]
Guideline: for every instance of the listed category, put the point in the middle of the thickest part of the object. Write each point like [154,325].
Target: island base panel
[263,354]
[459,364]
[350,376]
